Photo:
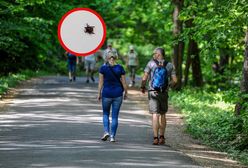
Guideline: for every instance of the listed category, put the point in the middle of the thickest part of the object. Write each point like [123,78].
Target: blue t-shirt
[111,86]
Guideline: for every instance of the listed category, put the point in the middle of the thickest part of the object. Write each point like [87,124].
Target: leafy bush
[13,79]
[210,117]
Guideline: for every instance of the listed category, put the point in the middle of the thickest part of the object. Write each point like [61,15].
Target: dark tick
[89,29]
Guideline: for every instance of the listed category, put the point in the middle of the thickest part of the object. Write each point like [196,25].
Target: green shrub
[210,117]
[12,80]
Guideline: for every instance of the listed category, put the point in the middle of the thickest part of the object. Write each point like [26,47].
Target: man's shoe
[105,137]
[155,141]
[161,140]
[87,81]
[74,78]
[112,139]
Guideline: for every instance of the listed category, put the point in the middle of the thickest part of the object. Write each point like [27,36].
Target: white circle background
[73,35]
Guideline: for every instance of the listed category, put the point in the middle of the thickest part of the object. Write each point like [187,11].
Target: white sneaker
[105,136]
[112,139]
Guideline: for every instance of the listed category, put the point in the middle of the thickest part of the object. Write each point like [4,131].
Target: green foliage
[29,29]
[22,36]
[217,25]
[210,116]
[12,80]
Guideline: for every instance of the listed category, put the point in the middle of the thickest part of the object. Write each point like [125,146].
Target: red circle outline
[80,9]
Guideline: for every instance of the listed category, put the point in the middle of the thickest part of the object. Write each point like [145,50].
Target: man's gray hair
[161,50]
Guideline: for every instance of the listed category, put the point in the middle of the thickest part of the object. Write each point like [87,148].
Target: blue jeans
[106,105]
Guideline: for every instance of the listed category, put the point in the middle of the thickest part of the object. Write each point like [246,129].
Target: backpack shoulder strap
[164,63]
[156,61]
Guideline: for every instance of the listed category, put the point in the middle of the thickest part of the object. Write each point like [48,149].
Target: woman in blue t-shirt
[112,84]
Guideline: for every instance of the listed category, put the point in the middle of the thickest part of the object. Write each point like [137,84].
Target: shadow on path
[53,123]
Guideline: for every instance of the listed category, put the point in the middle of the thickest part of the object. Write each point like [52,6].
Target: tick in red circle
[92,12]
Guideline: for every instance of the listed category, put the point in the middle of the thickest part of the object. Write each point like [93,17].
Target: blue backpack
[160,77]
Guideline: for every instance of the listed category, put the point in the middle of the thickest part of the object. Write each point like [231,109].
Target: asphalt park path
[56,124]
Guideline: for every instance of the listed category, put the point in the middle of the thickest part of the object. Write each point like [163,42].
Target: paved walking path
[56,124]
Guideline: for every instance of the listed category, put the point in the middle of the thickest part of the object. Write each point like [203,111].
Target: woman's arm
[124,84]
[100,85]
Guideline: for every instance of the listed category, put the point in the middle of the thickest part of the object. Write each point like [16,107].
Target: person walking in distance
[132,64]
[160,74]
[90,63]
[112,84]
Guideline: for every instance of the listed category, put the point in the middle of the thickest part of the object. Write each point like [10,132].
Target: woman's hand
[99,97]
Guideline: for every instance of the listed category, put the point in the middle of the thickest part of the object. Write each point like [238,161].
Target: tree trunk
[189,24]
[188,62]
[179,46]
[244,82]
[194,59]
[196,65]
[224,60]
